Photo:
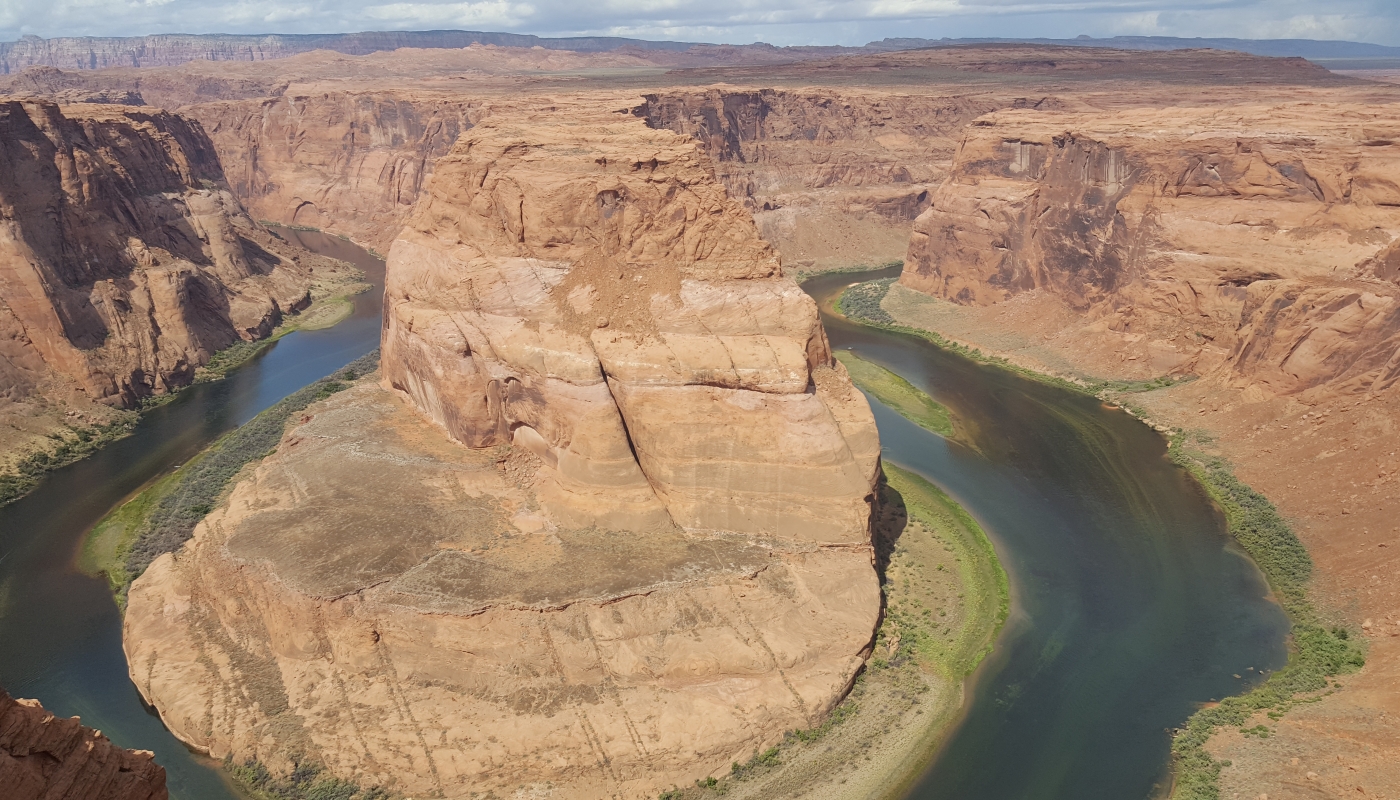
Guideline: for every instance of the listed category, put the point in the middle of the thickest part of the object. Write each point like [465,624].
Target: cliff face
[124,260]
[1254,240]
[830,175]
[352,161]
[550,279]
[46,758]
[651,557]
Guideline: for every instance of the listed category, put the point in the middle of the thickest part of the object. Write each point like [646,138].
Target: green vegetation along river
[1131,606]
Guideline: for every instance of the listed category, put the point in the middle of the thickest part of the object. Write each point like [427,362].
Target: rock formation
[1200,239]
[355,162]
[603,527]
[125,263]
[1255,238]
[46,758]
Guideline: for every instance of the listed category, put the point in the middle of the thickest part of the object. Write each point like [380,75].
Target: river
[1129,604]
[60,631]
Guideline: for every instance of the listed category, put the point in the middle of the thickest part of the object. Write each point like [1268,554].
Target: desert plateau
[448,414]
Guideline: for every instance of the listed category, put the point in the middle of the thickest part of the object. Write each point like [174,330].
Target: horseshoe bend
[652,556]
[915,420]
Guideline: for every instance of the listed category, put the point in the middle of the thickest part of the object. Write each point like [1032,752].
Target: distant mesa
[158,50]
[43,757]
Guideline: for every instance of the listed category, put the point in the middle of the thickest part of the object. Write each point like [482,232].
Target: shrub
[1319,652]
[196,492]
[304,783]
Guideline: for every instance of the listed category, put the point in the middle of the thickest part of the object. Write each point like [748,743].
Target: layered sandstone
[552,278]
[1254,248]
[616,535]
[833,177]
[125,262]
[354,162]
[1254,240]
[43,757]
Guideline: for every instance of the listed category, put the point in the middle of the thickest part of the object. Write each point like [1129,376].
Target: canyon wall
[617,536]
[1253,240]
[353,162]
[831,176]
[46,758]
[125,262]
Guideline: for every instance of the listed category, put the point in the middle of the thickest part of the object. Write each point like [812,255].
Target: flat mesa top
[368,495]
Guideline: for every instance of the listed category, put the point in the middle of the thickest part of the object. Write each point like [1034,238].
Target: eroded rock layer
[1254,240]
[602,525]
[125,263]
[43,757]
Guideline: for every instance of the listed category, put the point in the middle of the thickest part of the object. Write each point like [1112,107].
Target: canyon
[581,292]
[1249,251]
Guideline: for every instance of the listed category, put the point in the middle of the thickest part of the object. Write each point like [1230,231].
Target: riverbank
[1323,648]
[73,659]
[897,393]
[866,302]
[63,443]
[56,434]
[946,598]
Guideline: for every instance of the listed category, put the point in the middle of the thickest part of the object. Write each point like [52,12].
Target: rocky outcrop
[618,532]
[46,758]
[125,263]
[553,278]
[351,161]
[1254,240]
[832,176]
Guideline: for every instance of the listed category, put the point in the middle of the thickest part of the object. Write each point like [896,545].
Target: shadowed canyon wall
[351,162]
[1256,239]
[651,557]
[125,262]
[46,758]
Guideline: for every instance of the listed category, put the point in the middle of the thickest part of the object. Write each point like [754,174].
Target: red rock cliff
[1251,239]
[43,757]
[125,263]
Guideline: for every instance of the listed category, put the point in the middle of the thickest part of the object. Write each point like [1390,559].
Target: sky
[781,22]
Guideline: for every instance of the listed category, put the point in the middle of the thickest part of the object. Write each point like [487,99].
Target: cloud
[777,21]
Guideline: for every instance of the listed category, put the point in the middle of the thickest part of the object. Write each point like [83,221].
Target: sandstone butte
[1195,206]
[125,262]
[603,524]
[46,758]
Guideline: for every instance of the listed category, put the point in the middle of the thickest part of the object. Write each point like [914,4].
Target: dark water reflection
[1130,606]
[60,632]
